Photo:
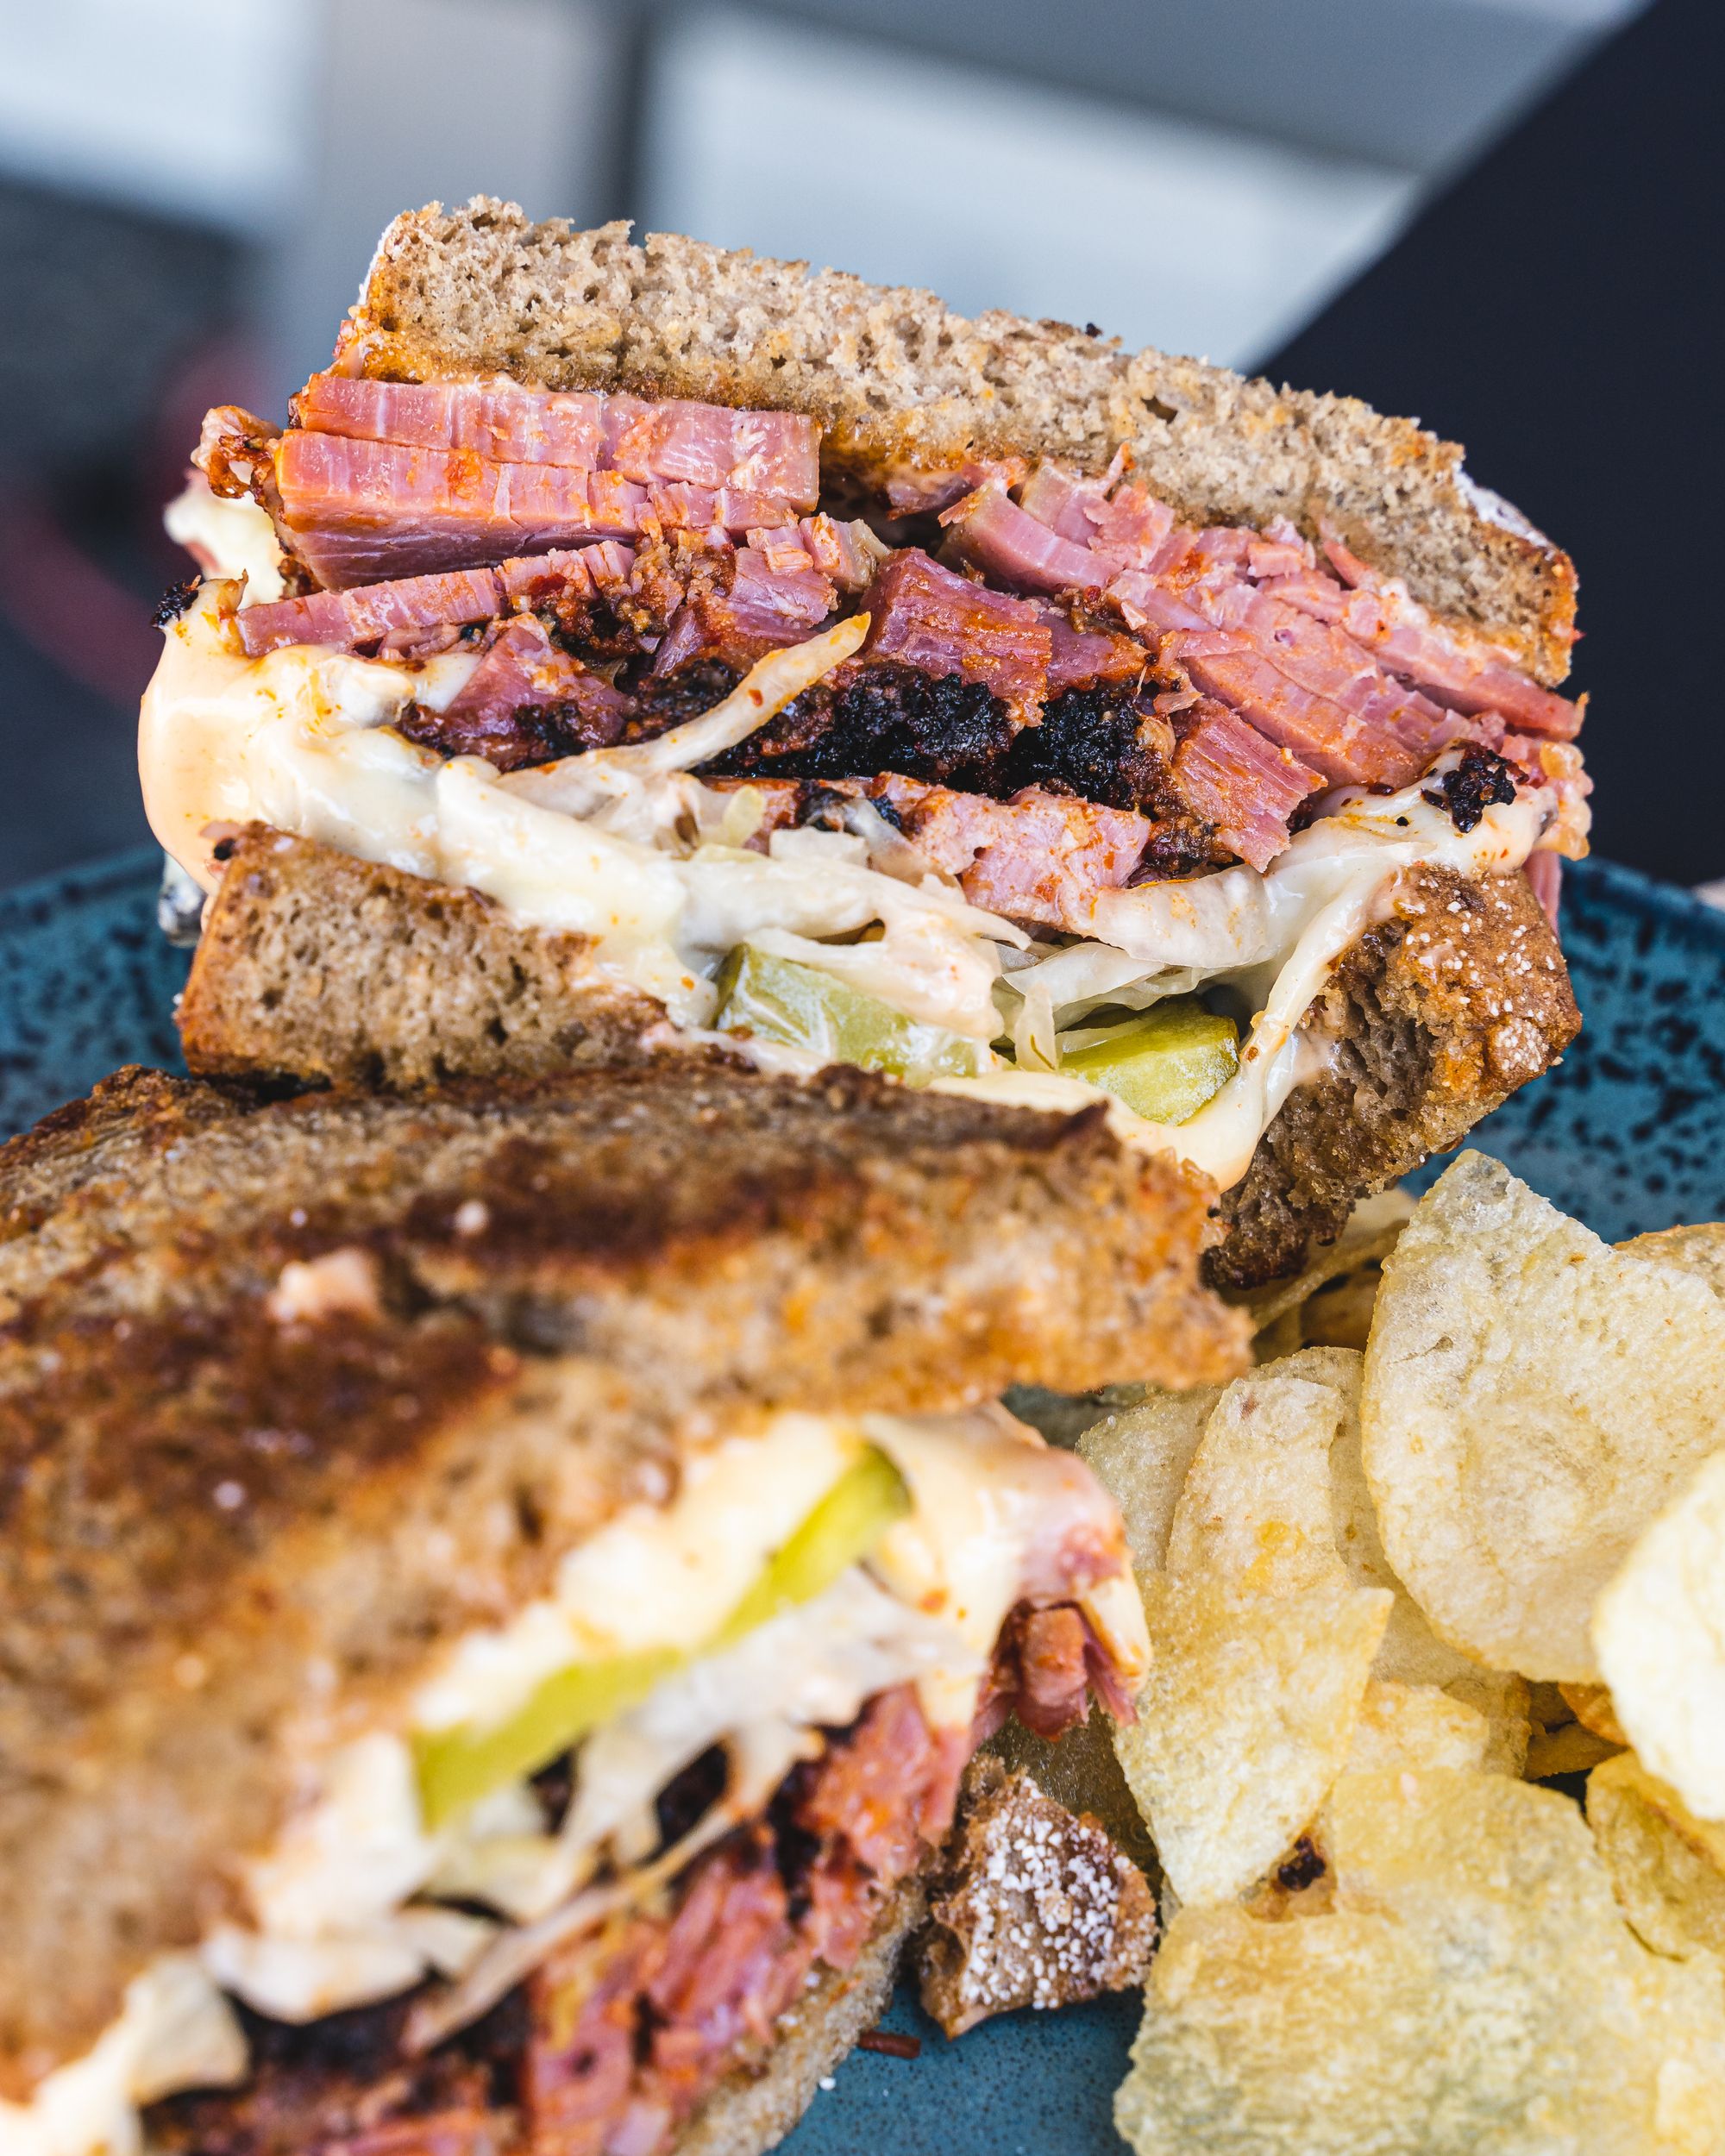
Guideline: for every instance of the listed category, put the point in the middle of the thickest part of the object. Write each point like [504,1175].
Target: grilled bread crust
[902,384]
[231,1534]
[1432,1019]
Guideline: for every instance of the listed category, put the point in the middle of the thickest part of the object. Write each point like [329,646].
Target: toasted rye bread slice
[324,968]
[1432,1019]
[900,383]
[219,1514]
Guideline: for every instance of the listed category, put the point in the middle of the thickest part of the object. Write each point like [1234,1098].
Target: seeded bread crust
[229,1534]
[902,384]
[1431,1020]
[1031,1905]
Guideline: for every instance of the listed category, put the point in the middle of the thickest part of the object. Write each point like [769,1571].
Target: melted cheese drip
[303,739]
[599,844]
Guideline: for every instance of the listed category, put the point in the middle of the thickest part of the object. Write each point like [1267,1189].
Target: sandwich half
[774,660]
[497,1588]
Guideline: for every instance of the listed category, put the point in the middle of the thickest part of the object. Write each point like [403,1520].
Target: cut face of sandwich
[502,1590]
[1004,773]
[649,1805]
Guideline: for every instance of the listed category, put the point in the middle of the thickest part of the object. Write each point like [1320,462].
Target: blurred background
[1497,215]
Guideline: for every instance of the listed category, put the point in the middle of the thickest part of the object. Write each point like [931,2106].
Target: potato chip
[1700,1251]
[1532,1399]
[1668,1866]
[1255,1509]
[1140,1456]
[1411,1653]
[1659,1630]
[1339,1313]
[1591,1704]
[1245,1722]
[1416,1726]
[1470,1987]
[1368,1237]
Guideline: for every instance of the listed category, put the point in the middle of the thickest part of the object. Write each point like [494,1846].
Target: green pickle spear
[1164,1065]
[456,1767]
[778,999]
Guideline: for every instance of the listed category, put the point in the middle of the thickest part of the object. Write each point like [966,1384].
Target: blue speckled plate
[1629,1134]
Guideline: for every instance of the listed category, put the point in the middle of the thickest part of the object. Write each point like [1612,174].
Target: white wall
[806,143]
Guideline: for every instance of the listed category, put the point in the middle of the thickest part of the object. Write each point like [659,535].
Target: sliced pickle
[1164,1065]
[800,1007]
[456,1767]
[844,1528]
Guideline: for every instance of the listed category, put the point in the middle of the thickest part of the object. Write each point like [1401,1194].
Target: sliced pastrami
[1243,785]
[1083,656]
[766,452]
[1337,674]
[1040,858]
[525,702]
[1120,521]
[354,511]
[990,531]
[741,606]
[924,616]
[847,551]
[1468,674]
[371,612]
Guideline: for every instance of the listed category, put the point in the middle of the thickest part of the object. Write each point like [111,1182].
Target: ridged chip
[1245,1722]
[1416,1726]
[1469,1987]
[1659,1630]
[1668,1866]
[1532,1399]
[1140,1455]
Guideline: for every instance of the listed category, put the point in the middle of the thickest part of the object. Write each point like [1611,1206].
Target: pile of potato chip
[1468,1535]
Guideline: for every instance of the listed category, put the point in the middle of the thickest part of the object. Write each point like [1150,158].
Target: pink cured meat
[849,553]
[372,611]
[1320,658]
[1368,655]
[1123,523]
[1469,676]
[990,531]
[767,453]
[1053,1679]
[1041,858]
[1544,874]
[1241,783]
[777,596]
[1081,657]
[928,617]
[1345,746]
[523,667]
[356,512]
